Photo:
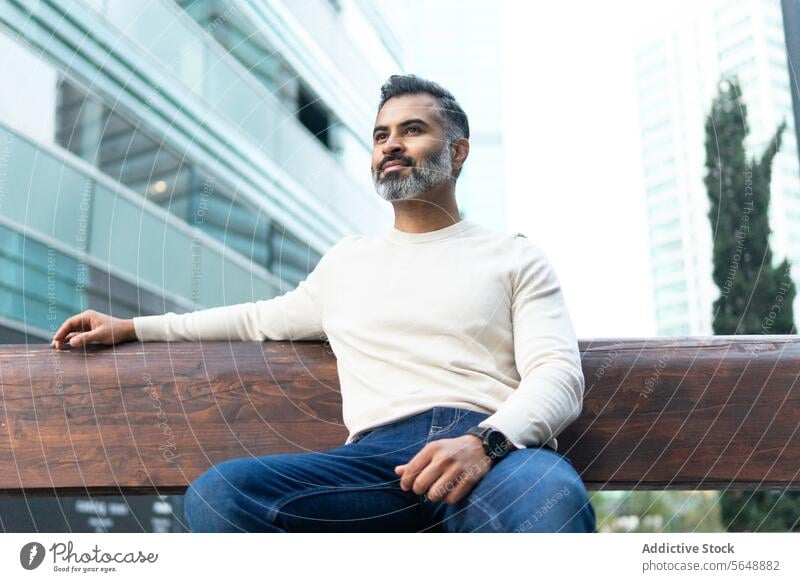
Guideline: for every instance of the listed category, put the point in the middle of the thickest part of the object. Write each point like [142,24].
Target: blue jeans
[353,488]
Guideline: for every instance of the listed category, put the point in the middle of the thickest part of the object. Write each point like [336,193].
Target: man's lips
[394,165]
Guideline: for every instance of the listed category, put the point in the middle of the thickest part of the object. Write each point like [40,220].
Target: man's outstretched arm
[295,315]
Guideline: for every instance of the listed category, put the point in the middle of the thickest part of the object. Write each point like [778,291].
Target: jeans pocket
[360,437]
[453,421]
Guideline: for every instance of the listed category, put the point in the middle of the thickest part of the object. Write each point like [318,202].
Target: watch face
[497,443]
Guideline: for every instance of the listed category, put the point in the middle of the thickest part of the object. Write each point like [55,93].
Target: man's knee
[220,500]
[208,501]
[534,494]
[559,504]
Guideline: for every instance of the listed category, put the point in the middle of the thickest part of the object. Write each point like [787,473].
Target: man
[457,360]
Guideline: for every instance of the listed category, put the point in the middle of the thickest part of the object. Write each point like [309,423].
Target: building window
[314,116]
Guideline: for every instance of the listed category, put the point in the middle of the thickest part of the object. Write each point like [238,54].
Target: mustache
[406,160]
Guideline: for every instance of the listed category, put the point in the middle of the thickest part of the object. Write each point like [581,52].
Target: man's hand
[92,326]
[447,469]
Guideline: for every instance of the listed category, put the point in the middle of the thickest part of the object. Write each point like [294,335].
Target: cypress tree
[755,297]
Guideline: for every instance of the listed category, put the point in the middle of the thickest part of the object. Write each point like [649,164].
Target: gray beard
[431,172]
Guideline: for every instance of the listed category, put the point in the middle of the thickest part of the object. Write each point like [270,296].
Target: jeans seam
[492,515]
[436,430]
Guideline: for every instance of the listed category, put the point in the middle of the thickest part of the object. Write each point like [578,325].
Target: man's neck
[426,213]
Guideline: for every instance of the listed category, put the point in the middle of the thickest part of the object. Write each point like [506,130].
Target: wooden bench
[671,413]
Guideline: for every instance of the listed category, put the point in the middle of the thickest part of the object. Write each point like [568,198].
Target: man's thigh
[531,490]
[350,488]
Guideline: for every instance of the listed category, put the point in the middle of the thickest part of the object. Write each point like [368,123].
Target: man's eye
[413,129]
[379,136]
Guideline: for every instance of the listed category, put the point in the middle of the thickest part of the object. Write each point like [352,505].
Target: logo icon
[31,555]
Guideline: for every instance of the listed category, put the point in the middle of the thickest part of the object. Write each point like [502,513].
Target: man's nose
[392,145]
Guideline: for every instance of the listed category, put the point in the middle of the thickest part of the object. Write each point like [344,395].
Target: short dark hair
[452,117]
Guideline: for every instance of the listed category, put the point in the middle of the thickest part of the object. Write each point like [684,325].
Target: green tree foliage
[755,297]
[656,511]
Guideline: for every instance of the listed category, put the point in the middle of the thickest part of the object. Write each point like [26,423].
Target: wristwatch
[494,442]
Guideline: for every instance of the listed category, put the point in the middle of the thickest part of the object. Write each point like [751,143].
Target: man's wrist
[495,444]
[130,330]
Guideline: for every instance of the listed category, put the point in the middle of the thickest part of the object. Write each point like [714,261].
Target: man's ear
[460,152]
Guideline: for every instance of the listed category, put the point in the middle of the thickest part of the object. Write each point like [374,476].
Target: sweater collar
[402,237]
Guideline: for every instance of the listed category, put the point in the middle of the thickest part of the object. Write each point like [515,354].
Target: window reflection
[127,153]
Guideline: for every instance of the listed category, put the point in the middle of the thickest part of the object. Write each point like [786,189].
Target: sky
[573,165]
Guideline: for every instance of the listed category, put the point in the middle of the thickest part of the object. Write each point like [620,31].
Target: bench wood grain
[668,413]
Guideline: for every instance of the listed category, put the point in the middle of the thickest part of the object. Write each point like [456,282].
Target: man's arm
[550,394]
[295,315]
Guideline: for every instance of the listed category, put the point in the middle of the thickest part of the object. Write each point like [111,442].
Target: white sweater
[461,316]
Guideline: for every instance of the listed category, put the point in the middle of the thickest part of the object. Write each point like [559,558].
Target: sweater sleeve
[295,315]
[550,394]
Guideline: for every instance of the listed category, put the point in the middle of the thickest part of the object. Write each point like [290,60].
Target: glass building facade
[177,155]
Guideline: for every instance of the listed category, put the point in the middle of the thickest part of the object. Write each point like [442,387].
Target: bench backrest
[672,413]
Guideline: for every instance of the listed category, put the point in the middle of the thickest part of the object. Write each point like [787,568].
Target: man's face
[409,154]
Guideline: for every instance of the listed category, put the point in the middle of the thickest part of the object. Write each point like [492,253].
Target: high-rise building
[176,155]
[791,27]
[679,66]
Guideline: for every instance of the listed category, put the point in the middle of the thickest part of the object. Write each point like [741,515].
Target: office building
[173,156]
